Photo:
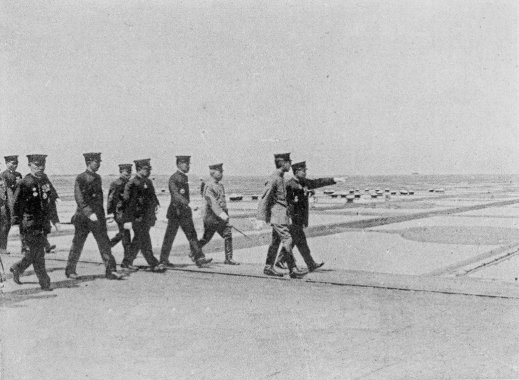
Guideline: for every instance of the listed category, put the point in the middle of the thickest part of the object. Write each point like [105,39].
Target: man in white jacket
[215,212]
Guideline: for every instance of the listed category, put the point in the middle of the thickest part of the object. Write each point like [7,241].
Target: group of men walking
[284,205]
[133,204]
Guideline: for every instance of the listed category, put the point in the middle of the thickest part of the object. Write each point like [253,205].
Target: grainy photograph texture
[229,189]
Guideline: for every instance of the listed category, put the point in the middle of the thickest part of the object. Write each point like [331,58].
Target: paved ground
[422,288]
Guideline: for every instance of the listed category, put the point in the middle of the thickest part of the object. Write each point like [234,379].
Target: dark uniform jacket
[88,193]
[297,197]
[214,202]
[11,180]
[3,193]
[179,189]
[140,201]
[115,201]
[53,212]
[32,204]
[272,207]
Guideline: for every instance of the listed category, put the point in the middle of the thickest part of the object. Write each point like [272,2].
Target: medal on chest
[182,191]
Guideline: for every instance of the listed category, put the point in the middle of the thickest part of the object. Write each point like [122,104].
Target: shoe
[281,265]
[167,265]
[315,266]
[297,273]
[192,257]
[114,276]
[270,271]
[202,261]
[16,275]
[47,289]
[159,268]
[230,262]
[73,276]
[50,249]
[130,267]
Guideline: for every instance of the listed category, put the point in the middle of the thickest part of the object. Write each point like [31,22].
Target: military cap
[282,156]
[92,157]
[183,159]
[298,165]
[216,167]
[142,163]
[38,159]
[125,167]
[11,158]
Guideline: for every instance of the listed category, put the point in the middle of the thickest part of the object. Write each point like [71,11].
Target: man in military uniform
[140,206]
[180,215]
[53,219]
[11,179]
[215,212]
[115,207]
[31,210]
[272,208]
[90,217]
[298,188]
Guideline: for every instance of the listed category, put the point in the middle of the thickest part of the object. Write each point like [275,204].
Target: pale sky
[352,87]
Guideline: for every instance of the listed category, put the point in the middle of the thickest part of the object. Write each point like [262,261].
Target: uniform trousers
[141,242]
[186,223]
[280,236]
[4,226]
[35,255]
[223,229]
[122,236]
[299,240]
[83,226]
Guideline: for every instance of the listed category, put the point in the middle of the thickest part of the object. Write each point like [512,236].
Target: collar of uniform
[35,177]
[181,172]
[280,172]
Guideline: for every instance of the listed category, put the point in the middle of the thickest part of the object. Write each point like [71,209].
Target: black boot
[202,261]
[295,272]
[270,271]
[16,275]
[228,252]
[315,266]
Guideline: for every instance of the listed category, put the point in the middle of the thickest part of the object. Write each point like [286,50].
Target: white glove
[224,216]
[127,225]
[339,179]
[258,224]
[57,226]
[93,218]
